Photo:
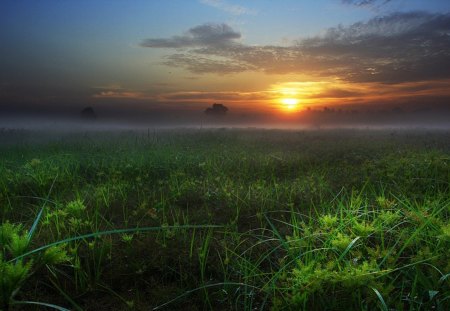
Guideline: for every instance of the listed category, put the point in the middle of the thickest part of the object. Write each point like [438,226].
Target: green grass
[225,219]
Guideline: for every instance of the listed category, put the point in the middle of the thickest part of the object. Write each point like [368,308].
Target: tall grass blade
[348,248]
[443,278]
[277,234]
[109,232]
[384,306]
[66,296]
[39,215]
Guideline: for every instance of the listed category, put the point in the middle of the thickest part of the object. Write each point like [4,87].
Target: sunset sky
[265,58]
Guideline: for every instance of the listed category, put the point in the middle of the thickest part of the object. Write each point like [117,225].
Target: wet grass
[226,219]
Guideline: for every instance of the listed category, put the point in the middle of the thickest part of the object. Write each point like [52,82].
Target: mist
[311,119]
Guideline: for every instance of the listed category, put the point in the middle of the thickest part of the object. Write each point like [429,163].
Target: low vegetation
[225,220]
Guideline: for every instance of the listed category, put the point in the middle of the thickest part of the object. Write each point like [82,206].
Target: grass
[225,219]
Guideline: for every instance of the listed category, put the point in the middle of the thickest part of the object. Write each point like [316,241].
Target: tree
[216,110]
[88,113]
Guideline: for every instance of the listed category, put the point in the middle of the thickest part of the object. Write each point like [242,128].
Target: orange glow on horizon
[281,98]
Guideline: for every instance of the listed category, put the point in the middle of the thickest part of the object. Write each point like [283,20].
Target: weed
[288,220]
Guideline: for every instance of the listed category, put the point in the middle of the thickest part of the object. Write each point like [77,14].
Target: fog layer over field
[307,119]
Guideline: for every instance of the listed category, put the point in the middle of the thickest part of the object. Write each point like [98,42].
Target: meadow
[225,219]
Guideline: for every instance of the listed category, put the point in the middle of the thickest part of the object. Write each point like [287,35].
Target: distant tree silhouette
[88,113]
[216,110]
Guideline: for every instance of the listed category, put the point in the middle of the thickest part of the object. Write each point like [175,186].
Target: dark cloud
[203,35]
[208,96]
[365,2]
[200,65]
[396,48]
[336,93]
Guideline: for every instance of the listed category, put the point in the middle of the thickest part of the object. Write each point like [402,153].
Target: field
[225,219]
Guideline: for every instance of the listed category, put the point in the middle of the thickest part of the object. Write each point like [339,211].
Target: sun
[289,103]
[292,97]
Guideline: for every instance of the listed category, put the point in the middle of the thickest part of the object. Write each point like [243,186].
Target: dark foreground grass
[225,220]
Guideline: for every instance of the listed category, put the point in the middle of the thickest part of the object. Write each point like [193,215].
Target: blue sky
[73,51]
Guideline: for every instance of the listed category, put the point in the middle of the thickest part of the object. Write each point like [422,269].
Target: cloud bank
[203,35]
[400,47]
[361,3]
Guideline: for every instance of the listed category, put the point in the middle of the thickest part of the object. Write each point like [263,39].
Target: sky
[283,61]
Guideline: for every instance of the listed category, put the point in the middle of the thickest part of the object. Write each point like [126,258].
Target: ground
[226,219]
